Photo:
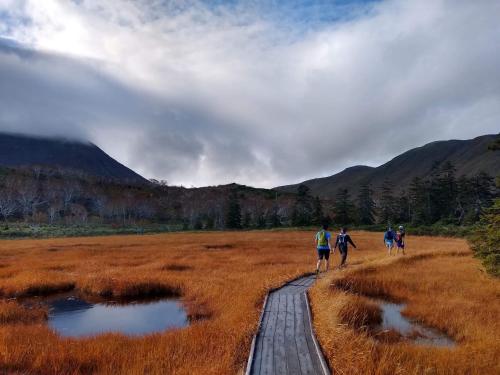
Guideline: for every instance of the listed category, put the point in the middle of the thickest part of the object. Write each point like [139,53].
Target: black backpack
[343,241]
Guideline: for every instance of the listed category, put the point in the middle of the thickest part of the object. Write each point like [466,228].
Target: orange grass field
[223,278]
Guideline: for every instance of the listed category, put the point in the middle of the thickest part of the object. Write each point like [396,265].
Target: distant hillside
[468,156]
[26,151]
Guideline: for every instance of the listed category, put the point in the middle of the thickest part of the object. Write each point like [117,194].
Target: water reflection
[393,320]
[72,316]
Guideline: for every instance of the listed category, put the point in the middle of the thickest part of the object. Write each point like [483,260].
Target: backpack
[322,239]
[342,241]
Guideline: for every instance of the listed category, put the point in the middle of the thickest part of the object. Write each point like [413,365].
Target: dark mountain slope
[328,186]
[26,151]
[468,156]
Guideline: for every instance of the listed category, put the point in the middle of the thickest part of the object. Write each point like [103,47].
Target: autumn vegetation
[443,286]
[222,278]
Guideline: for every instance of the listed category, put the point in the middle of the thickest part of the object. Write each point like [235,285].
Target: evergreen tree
[366,205]
[247,220]
[261,220]
[387,204]
[473,196]
[317,216]
[464,199]
[444,192]
[403,208]
[302,211]
[343,207]
[198,224]
[418,202]
[233,213]
[486,240]
[481,190]
[275,218]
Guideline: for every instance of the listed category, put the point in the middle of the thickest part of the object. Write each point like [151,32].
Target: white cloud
[205,94]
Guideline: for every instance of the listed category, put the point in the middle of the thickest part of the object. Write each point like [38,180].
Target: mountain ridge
[20,150]
[469,157]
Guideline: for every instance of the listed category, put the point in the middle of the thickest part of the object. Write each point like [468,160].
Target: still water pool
[76,317]
[421,335]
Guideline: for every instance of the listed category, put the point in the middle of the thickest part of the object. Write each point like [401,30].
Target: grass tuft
[12,312]
[45,289]
[360,314]
[219,247]
[176,267]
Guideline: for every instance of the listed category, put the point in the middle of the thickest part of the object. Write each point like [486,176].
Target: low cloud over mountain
[212,92]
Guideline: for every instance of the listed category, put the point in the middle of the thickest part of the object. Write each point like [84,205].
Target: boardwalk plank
[310,343]
[292,357]
[270,324]
[257,357]
[274,302]
[279,339]
[267,361]
[304,355]
[284,343]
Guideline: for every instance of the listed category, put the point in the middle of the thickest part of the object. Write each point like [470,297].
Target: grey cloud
[201,95]
[46,94]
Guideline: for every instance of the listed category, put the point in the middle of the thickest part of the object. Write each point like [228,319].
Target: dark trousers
[343,254]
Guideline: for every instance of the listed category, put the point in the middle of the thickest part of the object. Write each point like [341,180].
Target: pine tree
[275,218]
[444,192]
[233,214]
[472,197]
[317,217]
[403,208]
[247,220]
[481,189]
[343,207]
[261,220]
[366,205]
[198,224]
[486,240]
[302,211]
[464,199]
[418,202]
[387,206]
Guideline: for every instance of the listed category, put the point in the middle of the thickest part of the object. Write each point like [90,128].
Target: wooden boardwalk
[285,343]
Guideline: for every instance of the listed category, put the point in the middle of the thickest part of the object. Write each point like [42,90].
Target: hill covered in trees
[30,151]
[467,156]
[37,195]
[64,197]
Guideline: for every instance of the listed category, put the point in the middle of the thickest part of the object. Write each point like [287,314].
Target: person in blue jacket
[389,237]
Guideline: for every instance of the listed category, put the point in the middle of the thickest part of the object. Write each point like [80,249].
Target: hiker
[323,247]
[389,239]
[400,240]
[343,239]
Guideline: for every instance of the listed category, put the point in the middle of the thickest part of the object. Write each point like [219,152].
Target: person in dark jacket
[342,241]
[389,237]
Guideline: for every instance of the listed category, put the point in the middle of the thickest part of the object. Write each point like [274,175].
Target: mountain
[27,151]
[468,157]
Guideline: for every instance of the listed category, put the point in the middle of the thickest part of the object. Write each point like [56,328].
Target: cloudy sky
[258,92]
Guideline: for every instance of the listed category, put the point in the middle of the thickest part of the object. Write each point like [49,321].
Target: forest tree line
[441,198]
[61,197]
[38,196]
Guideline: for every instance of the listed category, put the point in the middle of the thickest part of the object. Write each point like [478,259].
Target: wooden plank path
[285,342]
